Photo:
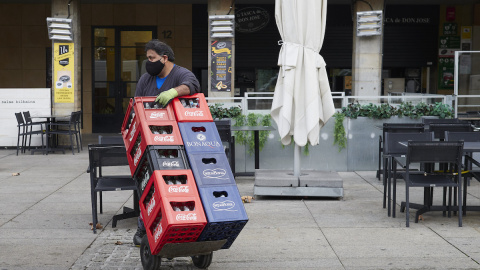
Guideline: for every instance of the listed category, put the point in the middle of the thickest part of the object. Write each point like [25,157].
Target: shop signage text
[408,20]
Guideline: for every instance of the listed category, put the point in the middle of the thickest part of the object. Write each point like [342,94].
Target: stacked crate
[216,185]
[169,201]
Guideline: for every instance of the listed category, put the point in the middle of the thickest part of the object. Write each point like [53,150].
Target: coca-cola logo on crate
[178,189]
[137,156]
[158,232]
[173,163]
[186,217]
[132,132]
[155,115]
[151,205]
[194,113]
[160,138]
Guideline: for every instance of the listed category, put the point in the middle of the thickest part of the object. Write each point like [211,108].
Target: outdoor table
[51,118]
[468,148]
[256,130]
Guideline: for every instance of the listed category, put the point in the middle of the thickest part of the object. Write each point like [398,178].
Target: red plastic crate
[169,226]
[127,118]
[161,185]
[145,135]
[152,115]
[199,113]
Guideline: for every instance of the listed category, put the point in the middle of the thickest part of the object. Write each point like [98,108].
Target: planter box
[361,153]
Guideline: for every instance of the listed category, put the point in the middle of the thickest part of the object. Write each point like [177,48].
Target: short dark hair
[161,48]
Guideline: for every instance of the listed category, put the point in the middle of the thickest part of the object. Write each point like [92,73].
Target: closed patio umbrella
[302,101]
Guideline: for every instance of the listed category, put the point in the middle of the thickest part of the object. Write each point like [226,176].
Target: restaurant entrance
[118,62]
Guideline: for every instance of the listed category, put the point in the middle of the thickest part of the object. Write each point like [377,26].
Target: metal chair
[24,132]
[398,128]
[393,148]
[468,170]
[440,129]
[69,128]
[428,153]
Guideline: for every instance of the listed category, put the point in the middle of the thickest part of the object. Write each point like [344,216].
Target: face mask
[154,68]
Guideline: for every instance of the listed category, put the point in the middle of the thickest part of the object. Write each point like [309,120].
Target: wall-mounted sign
[450,29]
[63,73]
[408,20]
[450,14]
[446,71]
[221,66]
[13,100]
[251,19]
[449,42]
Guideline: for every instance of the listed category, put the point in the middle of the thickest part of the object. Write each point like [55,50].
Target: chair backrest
[110,140]
[20,120]
[435,152]
[439,129]
[403,128]
[462,136]
[392,141]
[27,117]
[107,155]
[428,121]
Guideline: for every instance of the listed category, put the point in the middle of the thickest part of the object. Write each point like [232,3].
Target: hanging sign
[221,66]
[63,73]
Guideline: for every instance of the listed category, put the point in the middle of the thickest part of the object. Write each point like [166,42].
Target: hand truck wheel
[202,261]
[149,261]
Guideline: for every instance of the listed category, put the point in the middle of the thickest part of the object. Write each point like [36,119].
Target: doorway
[118,62]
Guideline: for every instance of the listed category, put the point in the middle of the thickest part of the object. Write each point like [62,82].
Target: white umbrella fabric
[302,101]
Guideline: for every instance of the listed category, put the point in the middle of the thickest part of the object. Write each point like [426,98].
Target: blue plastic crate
[211,169]
[225,213]
[201,137]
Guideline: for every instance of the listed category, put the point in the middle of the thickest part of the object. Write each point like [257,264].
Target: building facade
[415,48]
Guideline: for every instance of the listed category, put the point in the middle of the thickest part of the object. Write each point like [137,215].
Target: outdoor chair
[66,128]
[440,129]
[430,153]
[468,170]
[107,140]
[428,121]
[393,148]
[101,156]
[26,130]
[395,127]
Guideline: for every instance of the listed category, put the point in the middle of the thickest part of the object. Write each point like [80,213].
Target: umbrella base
[309,183]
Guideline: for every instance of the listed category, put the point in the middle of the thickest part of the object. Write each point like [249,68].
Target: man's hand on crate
[165,97]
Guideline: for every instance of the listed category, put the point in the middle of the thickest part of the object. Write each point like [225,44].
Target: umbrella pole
[296,161]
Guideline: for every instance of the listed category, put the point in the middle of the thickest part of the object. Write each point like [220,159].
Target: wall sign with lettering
[63,73]
[251,19]
[221,66]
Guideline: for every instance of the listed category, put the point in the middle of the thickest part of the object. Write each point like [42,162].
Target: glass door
[118,62]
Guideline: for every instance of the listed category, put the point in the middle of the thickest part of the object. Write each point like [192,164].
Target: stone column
[367,56]
[220,7]
[60,9]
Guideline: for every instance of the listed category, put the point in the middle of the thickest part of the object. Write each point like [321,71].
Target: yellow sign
[466,32]
[63,73]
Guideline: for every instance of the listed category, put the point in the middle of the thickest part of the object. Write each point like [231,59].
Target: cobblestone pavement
[114,249]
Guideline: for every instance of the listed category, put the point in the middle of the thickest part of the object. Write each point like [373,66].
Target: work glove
[165,97]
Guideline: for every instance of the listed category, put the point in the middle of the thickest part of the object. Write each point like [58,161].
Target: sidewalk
[46,211]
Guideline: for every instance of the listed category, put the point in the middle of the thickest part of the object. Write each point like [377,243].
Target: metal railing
[251,101]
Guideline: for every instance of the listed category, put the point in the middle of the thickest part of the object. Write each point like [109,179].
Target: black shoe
[137,238]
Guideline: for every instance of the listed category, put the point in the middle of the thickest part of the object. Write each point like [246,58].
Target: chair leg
[71,142]
[407,204]
[385,164]
[18,139]
[460,206]
[78,141]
